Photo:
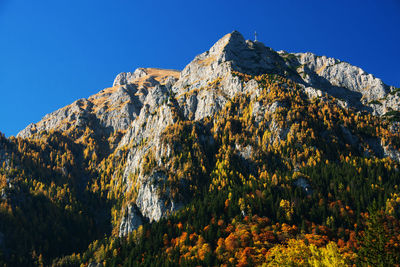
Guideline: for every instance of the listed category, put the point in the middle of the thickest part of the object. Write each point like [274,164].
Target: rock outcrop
[131,220]
[342,80]
[112,109]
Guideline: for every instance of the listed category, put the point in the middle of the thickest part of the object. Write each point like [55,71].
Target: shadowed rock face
[143,103]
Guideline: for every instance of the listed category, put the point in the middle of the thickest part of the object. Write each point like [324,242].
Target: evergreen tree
[374,241]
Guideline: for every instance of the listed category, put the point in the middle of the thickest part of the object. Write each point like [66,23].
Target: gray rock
[131,220]
[349,83]
[150,201]
[129,77]
[312,92]
[210,74]
[3,194]
[392,153]
[252,88]
[244,152]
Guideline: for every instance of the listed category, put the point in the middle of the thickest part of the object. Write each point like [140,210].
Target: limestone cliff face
[143,103]
[130,221]
[212,69]
[344,81]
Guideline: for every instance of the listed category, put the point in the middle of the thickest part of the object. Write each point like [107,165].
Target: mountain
[179,167]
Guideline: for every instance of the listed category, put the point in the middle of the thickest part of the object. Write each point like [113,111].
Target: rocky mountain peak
[317,74]
[245,56]
[231,41]
[141,106]
[232,52]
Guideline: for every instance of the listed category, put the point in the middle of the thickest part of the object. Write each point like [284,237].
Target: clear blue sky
[53,52]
